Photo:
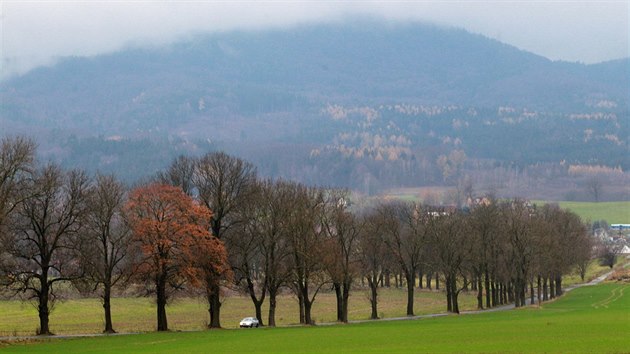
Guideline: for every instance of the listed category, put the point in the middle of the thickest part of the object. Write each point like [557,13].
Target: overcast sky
[34,33]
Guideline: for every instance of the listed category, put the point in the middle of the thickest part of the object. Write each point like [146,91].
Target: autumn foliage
[172,232]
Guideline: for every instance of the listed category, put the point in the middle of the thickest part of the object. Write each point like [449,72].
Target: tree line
[209,223]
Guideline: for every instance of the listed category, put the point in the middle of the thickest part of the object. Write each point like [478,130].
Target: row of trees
[210,222]
[61,227]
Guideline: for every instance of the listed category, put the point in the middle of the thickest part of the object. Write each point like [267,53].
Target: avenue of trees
[210,223]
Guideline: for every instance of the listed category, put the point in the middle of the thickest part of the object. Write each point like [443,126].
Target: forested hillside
[368,106]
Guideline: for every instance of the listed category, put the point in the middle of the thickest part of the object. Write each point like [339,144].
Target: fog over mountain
[327,104]
[36,33]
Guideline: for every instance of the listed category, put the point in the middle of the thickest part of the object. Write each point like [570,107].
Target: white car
[250,322]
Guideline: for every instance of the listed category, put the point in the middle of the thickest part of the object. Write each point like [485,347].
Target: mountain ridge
[435,90]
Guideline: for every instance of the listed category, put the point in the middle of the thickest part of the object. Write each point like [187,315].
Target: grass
[588,319]
[593,270]
[81,316]
[612,212]
[137,314]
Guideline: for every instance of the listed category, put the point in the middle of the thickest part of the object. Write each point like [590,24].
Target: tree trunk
[42,308]
[479,293]
[552,289]
[531,293]
[449,298]
[429,276]
[162,323]
[545,290]
[411,282]
[272,307]
[301,305]
[437,281]
[523,292]
[308,304]
[337,287]
[257,302]
[344,304]
[454,294]
[109,327]
[558,285]
[420,279]
[307,312]
[487,285]
[539,290]
[214,302]
[373,298]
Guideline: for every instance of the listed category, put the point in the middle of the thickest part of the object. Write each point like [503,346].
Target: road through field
[494,309]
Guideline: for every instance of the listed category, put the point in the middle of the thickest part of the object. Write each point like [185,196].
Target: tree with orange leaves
[172,233]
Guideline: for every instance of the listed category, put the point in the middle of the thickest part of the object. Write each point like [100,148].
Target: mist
[39,33]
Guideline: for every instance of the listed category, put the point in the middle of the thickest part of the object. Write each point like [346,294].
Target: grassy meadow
[612,212]
[588,319]
[138,314]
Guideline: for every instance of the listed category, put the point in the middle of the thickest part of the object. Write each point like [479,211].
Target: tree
[373,256]
[43,238]
[260,252]
[517,219]
[246,256]
[341,229]
[105,247]
[225,184]
[172,233]
[305,241]
[448,234]
[595,186]
[179,174]
[16,164]
[607,252]
[404,227]
[483,223]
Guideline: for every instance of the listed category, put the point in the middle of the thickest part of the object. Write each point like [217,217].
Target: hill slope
[285,89]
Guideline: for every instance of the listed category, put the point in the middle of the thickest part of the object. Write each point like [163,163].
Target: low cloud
[36,33]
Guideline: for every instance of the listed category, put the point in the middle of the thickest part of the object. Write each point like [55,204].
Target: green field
[81,316]
[588,319]
[612,212]
[137,314]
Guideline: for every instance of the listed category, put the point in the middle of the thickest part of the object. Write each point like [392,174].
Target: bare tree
[341,229]
[42,244]
[595,186]
[106,241]
[607,252]
[306,244]
[404,227]
[16,164]
[449,236]
[259,254]
[225,184]
[483,225]
[517,219]
[373,256]
[179,174]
